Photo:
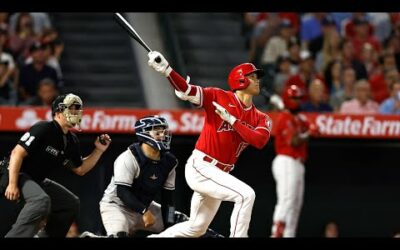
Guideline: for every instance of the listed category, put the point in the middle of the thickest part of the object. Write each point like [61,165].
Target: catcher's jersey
[287,125]
[218,139]
[144,176]
[49,150]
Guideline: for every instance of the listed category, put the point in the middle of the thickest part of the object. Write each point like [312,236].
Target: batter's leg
[223,186]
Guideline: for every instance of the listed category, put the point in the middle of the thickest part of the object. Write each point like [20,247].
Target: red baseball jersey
[218,138]
[222,141]
[287,126]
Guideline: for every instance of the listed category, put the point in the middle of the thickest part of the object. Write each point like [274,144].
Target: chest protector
[153,174]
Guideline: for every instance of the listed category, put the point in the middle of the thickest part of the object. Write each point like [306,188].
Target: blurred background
[338,59]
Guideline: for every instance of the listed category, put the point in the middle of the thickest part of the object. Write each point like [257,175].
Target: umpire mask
[70,106]
[154,131]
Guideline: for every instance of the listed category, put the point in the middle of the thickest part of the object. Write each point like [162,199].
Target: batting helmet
[237,78]
[289,96]
[148,131]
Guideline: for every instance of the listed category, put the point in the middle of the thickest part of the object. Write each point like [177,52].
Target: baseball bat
[132,33]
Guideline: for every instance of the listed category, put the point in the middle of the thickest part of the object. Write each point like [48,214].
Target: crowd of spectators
[344,62]
[30,51]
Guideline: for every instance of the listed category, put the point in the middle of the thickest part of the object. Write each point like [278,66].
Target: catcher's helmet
[290,94]
[237,78]
[148,130]
[63,104]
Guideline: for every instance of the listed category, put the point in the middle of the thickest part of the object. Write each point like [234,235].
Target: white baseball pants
[212,186]
[289,177]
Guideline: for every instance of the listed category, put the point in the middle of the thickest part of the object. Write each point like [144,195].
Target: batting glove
[162,66]
[224,114]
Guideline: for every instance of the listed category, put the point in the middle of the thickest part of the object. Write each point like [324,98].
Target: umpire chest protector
[153,174]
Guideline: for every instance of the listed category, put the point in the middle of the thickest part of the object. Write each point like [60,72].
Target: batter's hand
[224,114]
[162,67]
[148,219]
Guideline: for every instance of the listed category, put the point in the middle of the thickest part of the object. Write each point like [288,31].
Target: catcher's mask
[154,131]
[70,106]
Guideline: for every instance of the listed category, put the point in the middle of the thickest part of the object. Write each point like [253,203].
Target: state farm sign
[190,122]
[358,126]
[179,122]
[104,120]
[100,120]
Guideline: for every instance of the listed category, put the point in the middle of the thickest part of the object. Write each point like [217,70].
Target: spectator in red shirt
[362,36]
[383,77]
[348,25]
[293,17]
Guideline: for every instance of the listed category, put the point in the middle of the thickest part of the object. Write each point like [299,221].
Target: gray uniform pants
[48,200]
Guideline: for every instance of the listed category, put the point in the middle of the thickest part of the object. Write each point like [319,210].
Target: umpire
[47,146]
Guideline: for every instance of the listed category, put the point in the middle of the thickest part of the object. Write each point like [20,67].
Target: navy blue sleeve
[130,200]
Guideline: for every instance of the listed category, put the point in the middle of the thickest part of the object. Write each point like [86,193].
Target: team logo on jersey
[154,177]
[52,150]
[225,127]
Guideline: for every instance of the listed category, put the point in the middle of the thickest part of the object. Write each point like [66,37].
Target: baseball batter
[232,123]
[292,135]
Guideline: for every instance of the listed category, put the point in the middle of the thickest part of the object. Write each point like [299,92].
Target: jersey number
[27,138]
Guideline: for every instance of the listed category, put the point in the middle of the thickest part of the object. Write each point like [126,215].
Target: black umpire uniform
[50,149]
